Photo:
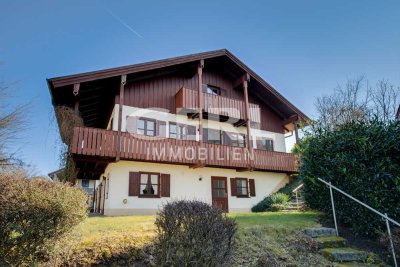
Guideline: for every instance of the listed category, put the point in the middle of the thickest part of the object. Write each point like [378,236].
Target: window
[178,131]
[146,127]
[241,187]
[85,183]
[265,144]
[237,139]
[214,136]
[149,184]
[213,90]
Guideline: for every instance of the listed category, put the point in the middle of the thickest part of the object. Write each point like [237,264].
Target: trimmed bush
[274,202]
[361,158]
[33,214]
[193,233]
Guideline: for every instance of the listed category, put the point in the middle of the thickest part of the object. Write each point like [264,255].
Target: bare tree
[347,103]
[358,101]
[12,123]
[385,98]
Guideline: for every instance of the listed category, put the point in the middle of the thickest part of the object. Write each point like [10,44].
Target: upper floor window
[237,139]
[265,144]
[213,136]
[85,183]
[146,127]
[149,184]
[178,131]
[209,89]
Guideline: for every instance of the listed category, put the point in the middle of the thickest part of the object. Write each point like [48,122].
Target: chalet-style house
[202,126]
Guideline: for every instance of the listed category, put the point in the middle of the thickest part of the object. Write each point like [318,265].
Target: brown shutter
[134,184]
[161,128]
[131,124]
[252,188]
[205,134]
[165,185]
[233,187]
[191,132]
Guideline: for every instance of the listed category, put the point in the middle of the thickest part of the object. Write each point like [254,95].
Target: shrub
[277,207]
[193,233]
[33,214]
[278,200]
[361,158]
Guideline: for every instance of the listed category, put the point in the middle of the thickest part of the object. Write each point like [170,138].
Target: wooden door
[219,189]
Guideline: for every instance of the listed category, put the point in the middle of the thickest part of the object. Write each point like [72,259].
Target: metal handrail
[384,215]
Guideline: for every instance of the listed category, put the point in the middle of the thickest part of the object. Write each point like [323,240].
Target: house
[202,126]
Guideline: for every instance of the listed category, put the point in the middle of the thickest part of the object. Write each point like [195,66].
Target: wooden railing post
[120,105]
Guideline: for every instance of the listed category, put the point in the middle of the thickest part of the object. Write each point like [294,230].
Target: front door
[219,192]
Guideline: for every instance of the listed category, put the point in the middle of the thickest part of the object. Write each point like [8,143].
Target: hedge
[33,215]
[361,158]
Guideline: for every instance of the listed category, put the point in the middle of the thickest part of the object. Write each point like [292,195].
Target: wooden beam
[296,132]
[121,103]
[239,82]
[76,94]
[249,144]
[200,101]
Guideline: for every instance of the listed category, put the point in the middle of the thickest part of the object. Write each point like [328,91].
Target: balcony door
[219,189]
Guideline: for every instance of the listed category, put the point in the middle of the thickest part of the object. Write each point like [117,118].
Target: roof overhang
[258,86]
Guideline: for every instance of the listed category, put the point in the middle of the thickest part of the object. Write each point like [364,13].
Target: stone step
[331,241]
[344,254]
[357,264]
[320,231]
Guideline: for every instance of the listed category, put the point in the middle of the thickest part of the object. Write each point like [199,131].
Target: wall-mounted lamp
[125,201]
[200,177]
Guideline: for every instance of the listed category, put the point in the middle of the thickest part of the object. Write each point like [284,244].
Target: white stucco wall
[184,184]
[278,138]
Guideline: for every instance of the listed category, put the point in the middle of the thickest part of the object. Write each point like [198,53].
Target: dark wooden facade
[175,85]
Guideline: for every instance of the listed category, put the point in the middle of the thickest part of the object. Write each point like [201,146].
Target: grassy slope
[101,238]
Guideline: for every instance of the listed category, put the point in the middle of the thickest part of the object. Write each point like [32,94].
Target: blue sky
[303,48]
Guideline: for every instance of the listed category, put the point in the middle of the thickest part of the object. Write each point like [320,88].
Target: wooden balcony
[187,102]
[105,144]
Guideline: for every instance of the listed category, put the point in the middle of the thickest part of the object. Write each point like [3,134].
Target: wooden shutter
[252,188]
[131,124]
[165,185]
[191,130]
[134,184]
[161,128]
[233,187]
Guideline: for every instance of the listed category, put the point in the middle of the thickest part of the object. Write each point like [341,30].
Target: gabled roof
[283,105]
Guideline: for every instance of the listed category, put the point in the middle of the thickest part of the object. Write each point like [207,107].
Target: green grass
[287,220]
[105,239]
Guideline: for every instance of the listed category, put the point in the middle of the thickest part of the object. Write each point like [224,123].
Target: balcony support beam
[296,131]
[200,101]
[120,106]
[249,144]
[76,94]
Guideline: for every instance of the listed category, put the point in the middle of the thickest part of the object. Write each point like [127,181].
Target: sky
[302,48]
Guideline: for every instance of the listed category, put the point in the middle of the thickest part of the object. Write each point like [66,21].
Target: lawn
[109,240]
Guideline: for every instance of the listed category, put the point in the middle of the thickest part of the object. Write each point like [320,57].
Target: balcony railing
[187,101]
[105,143]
